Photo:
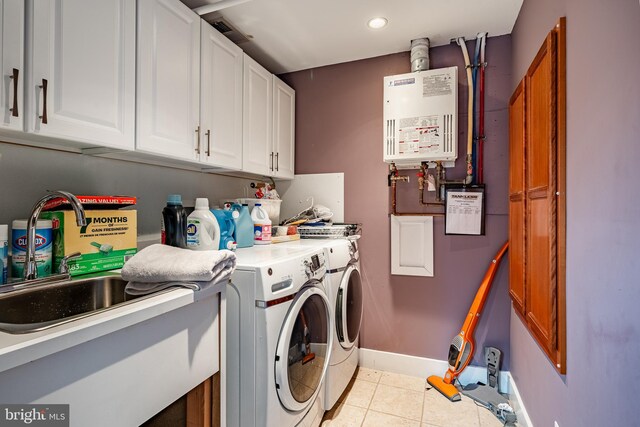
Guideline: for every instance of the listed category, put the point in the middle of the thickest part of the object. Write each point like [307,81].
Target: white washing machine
[279,339]
[344,289]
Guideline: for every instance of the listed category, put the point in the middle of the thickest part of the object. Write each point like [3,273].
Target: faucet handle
[64,264]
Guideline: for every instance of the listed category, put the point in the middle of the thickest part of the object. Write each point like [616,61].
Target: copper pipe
[421,178]
[418,214]
[394,177]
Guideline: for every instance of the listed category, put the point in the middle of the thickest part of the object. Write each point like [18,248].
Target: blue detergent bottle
[244,226]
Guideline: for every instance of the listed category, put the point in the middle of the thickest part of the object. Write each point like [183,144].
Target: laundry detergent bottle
[244,226]
[261,225]
[173,231]
[203,231]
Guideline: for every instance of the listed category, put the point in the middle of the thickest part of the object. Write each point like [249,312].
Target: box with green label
[105,243]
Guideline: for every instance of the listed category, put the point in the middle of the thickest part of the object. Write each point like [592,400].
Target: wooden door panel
[539,88]
[537,213]
[517,206]
[540,155]
[517,253]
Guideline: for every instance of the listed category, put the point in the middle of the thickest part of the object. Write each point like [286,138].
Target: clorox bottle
[261,225]
[203,231]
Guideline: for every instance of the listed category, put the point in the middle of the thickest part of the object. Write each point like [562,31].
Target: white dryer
[344,287]
[279,340]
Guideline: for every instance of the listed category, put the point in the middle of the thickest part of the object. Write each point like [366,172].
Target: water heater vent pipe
[420,54]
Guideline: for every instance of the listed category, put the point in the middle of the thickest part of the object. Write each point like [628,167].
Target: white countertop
[19,349]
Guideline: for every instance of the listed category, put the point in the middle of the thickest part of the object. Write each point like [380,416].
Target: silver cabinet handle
[271,156]
[208,133]
[43,86]
[277,162]
[198,142]
[14,76]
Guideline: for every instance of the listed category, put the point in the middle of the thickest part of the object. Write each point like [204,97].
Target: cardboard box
[105,243]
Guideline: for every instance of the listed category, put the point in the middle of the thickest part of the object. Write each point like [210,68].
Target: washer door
[304,345]
[349,307]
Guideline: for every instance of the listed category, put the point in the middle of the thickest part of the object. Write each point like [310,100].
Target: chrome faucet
[30,266]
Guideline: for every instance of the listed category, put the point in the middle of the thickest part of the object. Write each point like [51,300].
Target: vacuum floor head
[447,390]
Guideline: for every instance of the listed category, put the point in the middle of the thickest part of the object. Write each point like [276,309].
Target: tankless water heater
[421,117]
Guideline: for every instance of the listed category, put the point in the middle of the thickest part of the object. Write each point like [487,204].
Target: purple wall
[603,227]
[339,129]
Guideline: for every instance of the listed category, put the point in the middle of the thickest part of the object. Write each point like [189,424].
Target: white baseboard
[518,406]
[424,367]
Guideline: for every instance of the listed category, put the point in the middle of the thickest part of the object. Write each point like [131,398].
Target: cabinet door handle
[198,140]
[208,142]
[271,156]
[43,86]
[14,77]
[277,162]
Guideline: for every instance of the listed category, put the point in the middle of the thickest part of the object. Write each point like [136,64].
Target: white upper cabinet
[220,100]
[12,64]
[168,83]
[284,105]
[257,153]
[81,62]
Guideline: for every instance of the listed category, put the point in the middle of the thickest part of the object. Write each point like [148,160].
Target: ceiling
[292,35]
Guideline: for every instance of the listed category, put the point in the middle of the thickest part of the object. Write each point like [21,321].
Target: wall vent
[227,29]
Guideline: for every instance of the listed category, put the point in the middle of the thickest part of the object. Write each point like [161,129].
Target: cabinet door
[220,100]
[12,64]
[168,83]
[540,155]
[517,213]
[257,152]
[82,71]
[284,106]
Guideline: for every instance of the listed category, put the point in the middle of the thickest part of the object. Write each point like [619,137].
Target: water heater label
[402,82]
[437,85]
[419,135]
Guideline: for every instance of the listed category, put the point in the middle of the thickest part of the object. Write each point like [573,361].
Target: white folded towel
[158,266]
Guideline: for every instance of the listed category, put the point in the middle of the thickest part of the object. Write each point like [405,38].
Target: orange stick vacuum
[461,349]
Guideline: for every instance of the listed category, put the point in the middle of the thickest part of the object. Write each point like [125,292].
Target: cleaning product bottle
[203,231]
[244,226]
[261,225]
[174,222]
[4,249]
[227,227]
[43,251]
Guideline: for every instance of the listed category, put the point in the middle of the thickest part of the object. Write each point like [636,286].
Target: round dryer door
[349,307]
[304,345]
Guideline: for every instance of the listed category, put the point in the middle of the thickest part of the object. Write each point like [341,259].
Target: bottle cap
[245,204]
[174,199]
[202,203]
[258,204]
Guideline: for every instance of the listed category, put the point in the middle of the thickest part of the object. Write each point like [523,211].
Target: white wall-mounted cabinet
[221,74]
[268,123]
[412,245]
[144,80]
[12,64]
[168,80]
[284,105]
[257,137]
[81,71]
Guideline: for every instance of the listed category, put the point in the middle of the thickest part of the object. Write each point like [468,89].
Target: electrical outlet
[555,424]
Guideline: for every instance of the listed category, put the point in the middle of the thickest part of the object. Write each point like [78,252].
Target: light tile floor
[378,399]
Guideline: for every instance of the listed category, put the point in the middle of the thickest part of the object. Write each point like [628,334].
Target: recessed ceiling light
[377,23]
